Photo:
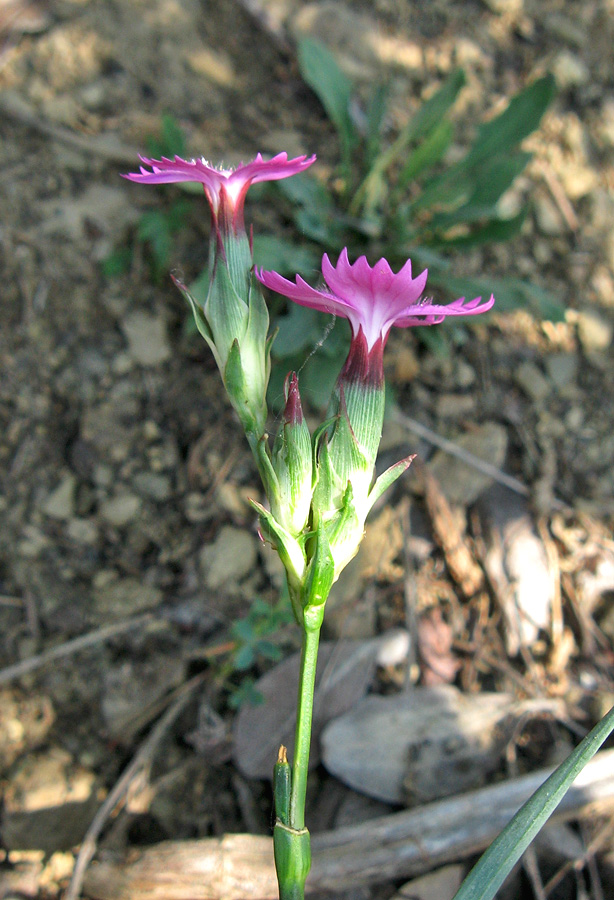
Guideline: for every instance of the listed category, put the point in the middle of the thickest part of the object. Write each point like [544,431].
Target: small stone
[117,597]
[155,487]
[574,418]
[60,504]
[505,7]
[566,29]
[48,803]
[455,406]
[33,542]
[570,71]
[230,558]
[465,375]
[103,475]
[120,510]
[562,369]
[547,216]
[83,531]
[147,338]
[532,381]
[460,482]
[594,332]
[198,508]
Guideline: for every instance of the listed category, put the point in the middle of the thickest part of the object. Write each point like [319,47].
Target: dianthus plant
[319,487]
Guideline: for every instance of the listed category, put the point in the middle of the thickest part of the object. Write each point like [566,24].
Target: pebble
[505,7]
[547,216]
[465,374]
[460,482]
[230,558]
[33,542]
[530,378]
[49,803]
[455,406]
[154,486]
[570,71]
[83,531]
[120,510]
[565,29]
[117,597]
[147,338]
[60,504]
[594,332]
[562,369]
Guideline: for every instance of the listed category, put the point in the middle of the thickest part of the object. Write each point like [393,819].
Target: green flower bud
[292,464]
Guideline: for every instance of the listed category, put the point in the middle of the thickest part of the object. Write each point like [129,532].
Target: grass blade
[493,867]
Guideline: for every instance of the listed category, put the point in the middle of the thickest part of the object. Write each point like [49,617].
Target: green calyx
[234,321]
[292,463]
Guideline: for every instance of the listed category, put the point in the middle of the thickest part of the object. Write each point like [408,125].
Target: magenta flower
[373,299]
[223,187]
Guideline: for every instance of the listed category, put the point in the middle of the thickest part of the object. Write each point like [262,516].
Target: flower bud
[292,463]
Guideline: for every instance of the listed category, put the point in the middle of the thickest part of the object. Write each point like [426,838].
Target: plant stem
[304,716]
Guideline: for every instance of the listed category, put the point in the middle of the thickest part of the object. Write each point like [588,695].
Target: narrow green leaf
[490,181]
[428,153]
[387,478]
[434,109]
[496,863]
[494,230]
[521,117]
[332,87]
[428,116]
[376,111]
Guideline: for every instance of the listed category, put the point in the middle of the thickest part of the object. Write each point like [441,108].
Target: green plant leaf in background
[321,72]
[496,863]
[283,256]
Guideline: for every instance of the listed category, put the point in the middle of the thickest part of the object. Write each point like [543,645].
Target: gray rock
[147,338]
[230,558]
[562,369]
[117,597]
[120,510]
[154,486]
[60,504]
[460,482]
[455,406]
[83,531]
[532,381]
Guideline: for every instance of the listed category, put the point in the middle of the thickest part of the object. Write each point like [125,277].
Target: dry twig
[67,649]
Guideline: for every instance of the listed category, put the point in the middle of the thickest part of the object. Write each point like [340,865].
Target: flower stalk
[319,488]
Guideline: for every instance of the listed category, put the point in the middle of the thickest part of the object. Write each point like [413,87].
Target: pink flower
[223,187]
[372,299]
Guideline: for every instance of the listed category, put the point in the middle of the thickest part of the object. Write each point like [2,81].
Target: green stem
[304,716]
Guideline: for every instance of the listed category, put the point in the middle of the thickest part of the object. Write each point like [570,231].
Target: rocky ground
[125,476]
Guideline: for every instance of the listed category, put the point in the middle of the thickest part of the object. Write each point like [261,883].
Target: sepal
[320,573]
[387,478]
[288,547]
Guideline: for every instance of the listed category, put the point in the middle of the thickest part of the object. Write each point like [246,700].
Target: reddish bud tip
[293,412]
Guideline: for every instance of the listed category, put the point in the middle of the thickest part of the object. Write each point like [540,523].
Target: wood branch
[240,867]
